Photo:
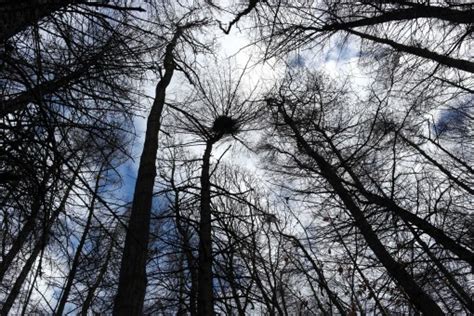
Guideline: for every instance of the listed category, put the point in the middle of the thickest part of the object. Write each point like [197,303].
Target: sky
[337,60]
[229,47]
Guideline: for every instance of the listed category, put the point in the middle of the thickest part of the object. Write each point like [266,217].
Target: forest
[253,157]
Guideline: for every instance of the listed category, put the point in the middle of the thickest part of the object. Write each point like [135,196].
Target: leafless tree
[339,149]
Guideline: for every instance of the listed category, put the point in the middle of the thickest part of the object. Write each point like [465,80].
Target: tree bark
[414,292]
[205,288]
[132,280]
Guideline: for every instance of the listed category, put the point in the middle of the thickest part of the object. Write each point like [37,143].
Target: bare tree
[307,124]
[18,16]
[132,283]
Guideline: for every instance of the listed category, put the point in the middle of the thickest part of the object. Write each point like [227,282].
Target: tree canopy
[251,158]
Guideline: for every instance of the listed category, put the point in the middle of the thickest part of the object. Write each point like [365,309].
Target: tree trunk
[188,253]
[434,232]
[77,255]
[458,290]
[21,239]
[39,246]
[205,288]
[414,292]
[321,278]
[90,294]
[132,281]
[451,177]
[37,93]
[430,12]
[29,227]
[437,234]
[8,304]
[445,60]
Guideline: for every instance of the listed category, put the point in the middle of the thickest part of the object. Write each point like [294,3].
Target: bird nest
[225,125]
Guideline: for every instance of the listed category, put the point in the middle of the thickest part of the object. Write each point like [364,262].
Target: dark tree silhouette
[132,282]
